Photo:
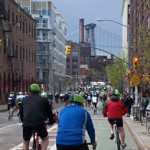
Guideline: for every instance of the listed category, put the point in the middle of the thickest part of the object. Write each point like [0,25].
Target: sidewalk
[138,132]
[3,107]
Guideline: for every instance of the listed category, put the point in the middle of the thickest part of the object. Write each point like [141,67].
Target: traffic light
[68,49]
[135,62]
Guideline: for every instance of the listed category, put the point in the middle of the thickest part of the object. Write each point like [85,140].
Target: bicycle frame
[117,137]
[10,115]
[90,144]
[36,145]
[148,121]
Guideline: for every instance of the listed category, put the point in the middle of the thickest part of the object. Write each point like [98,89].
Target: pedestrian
[129,103]
[143,104]
[73,120]
[33,112]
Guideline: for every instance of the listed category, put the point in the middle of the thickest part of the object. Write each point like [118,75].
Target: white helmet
[20,93]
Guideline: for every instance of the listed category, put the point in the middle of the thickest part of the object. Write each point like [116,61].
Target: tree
[116,73]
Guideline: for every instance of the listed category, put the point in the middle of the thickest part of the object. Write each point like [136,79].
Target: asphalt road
[11,133]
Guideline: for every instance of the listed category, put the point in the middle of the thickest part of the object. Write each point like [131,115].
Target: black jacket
[35,110]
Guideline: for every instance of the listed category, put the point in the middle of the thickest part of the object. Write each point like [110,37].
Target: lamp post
[128,42]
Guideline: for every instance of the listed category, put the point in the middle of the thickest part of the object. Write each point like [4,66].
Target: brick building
[17,48]
[78,62]
[139,21]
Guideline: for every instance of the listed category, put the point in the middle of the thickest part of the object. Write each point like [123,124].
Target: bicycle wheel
[148,129]
[39,147]
[10,117]
[118,140]
[142,120]
[34,145]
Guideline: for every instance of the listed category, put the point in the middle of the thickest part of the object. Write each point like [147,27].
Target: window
[42,11]
[149,22]
[74,54]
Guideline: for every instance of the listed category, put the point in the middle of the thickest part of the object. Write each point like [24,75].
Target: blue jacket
[73,121]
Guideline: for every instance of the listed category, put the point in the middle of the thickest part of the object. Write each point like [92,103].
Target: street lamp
[98,19]
[128,39]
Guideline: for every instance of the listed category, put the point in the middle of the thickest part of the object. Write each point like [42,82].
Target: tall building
[140,39]
[50,44]
[125,13]
[17,48]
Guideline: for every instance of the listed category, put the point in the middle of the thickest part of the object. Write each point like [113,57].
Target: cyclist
[33,112]
[94,101]
[115,109]
[11,102]
[19,100]
[143,104]
[73,119]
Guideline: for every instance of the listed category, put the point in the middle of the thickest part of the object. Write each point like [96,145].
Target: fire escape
[8,43]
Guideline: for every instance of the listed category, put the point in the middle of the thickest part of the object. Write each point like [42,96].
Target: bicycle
[10,114]
[148,121]
[94,108]
[117,135]
[89,144]
[142,117]
[36,144]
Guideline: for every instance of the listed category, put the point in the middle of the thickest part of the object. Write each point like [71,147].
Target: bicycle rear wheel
[142,121]
[34,145]
[118,141]
[39,147]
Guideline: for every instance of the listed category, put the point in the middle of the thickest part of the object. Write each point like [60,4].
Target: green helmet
[34,88]
[115,92]
[78,98]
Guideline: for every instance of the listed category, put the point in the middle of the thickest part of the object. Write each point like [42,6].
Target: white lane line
[19,146]
[10,126]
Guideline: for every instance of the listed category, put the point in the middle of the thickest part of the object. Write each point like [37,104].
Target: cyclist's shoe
[112,137]
[124,146]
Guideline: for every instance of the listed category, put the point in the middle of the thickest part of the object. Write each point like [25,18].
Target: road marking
[10,126]
[53,147]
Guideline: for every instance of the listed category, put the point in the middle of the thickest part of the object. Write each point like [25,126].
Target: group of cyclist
[36,108]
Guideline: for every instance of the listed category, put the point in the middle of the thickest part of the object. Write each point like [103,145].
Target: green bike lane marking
[102,131]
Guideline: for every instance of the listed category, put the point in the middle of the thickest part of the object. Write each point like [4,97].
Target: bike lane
[102,131]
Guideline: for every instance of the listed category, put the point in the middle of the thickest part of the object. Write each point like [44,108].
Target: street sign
[135,79]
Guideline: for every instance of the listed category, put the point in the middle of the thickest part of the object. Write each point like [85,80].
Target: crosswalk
[52,140]
[52,131]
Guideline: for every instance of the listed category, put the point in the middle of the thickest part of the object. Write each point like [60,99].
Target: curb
[2,110]
[135,137]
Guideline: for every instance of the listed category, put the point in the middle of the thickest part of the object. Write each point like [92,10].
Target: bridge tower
[90,37]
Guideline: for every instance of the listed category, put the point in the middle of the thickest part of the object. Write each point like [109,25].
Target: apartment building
[140,39]
[50,44]
[125,13]
[17,49]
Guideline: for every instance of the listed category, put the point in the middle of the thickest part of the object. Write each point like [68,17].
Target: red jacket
[114,108]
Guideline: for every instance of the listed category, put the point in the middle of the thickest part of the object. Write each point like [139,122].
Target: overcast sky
[90,10]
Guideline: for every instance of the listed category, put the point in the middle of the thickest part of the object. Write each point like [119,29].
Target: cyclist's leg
[26,145]
[111,128]
[27,133]
[44,143]
[122,131]
[42,132]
